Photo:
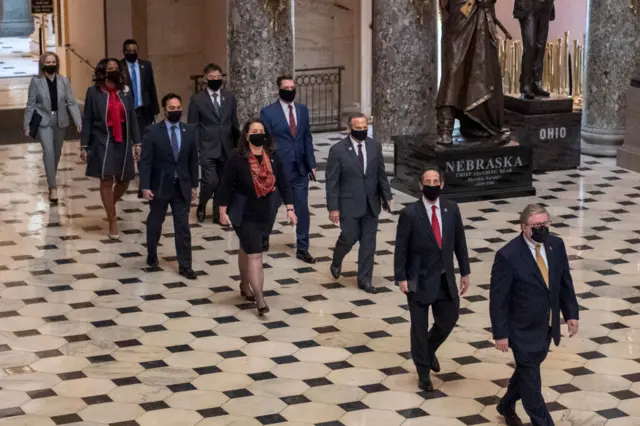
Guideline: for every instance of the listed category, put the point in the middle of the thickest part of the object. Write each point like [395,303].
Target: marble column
[612,58]
[260,46]
[405,67]
[15,18]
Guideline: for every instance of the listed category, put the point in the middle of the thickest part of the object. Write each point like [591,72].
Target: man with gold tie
[530,285]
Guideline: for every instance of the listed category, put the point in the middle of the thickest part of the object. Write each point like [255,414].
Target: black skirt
[250,235]
[111,159]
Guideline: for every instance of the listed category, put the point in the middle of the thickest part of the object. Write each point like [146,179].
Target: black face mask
[258,139]
[540,235]
[287,95]
[131,57]
[174,116]
[49,69]
[431,193]
[214,84]
[113,76]
[359,135]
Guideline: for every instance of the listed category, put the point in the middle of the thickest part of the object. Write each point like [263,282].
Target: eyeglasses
[540,225]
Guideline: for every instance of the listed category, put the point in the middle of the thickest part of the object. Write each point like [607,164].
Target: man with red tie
[429,232]
[287,122]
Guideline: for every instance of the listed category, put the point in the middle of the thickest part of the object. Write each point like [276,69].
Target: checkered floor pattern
[89,336]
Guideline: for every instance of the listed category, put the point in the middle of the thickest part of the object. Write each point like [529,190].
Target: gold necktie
[543,267]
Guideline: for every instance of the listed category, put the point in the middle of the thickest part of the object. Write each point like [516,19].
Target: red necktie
[292,121]
[435,224]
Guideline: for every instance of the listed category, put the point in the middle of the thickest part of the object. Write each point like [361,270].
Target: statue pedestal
[628,156]
[550,126]
[473,170]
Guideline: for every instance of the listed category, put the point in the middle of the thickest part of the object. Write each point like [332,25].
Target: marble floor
[89,336]
[15,59]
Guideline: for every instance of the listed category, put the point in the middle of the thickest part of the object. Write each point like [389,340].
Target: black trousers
[143,123]
[364,230]
[535,30]
[211,170]
[526,385]
[180,212]
[424,341]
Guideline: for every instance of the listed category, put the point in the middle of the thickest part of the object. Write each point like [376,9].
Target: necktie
[543,267]
[174,143]
[292,121]
[360,157]
[134,83]
[216,105]
[435,224]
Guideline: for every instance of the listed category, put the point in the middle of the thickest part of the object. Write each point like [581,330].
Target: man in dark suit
[214,112]
[530,285]
[430,232]
[534,17]
[138,75]
[169,176]
[288,124]
[357,187]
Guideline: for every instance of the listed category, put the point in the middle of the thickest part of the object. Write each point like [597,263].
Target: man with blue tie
[288,124]
[530,285]
[169,176]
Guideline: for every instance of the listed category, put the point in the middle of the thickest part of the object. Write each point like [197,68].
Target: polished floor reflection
[89,336]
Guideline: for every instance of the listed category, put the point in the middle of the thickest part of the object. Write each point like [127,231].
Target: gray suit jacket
[38,100]
[349,189]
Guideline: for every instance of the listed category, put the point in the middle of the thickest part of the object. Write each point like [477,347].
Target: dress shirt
[285,108]
[218,94]
[138,89]
[532,248]
[427,205]
[355,144]
[53,92]
[178,132]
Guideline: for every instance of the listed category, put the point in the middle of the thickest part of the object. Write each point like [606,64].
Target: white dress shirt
[355,144]
[218,97]
[532,248]
[285,108]
[428,205]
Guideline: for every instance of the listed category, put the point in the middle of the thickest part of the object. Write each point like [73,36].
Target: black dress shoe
[188,273]
[538,90]
[425,384]
[526,93]
[510,416]
[305,257]
[435,364]
[152,261]
[200,213]
[335,270]
[368,287]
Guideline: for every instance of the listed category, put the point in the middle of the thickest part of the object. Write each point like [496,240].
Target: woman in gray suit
[110,138]
[50,97]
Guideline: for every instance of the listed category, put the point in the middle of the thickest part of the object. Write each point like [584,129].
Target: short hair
[44,57]
[356,115]
[127,42]
[166,98]
[284,77]
[212,67]
[431,168]
[100,73]
[530,210]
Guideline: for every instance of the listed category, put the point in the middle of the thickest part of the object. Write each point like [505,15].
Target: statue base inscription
[555,138]
[474,169]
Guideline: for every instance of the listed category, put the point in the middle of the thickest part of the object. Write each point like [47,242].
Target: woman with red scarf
[250,178]
[110,138]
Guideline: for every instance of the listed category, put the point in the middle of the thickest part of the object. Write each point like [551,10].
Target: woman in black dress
[110,138]
[251,176]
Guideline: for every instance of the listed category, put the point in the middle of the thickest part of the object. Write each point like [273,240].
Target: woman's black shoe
[263,310]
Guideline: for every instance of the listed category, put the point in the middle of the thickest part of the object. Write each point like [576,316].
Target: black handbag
[34,124]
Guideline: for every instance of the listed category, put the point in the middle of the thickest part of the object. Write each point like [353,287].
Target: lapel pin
[350,149]
[445,209]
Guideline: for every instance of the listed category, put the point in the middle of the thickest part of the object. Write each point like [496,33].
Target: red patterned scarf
[115,114]
[264,181]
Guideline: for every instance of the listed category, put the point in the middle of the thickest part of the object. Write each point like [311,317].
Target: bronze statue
[471,85]
[534,17]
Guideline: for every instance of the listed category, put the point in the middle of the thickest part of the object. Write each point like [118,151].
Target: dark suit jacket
[520,300]
[524,8]
[147,86]
[419,260]
[348,188]
[293,152]
[158,168]
[217,135]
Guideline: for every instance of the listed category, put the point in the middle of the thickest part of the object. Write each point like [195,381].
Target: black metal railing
[318,88]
